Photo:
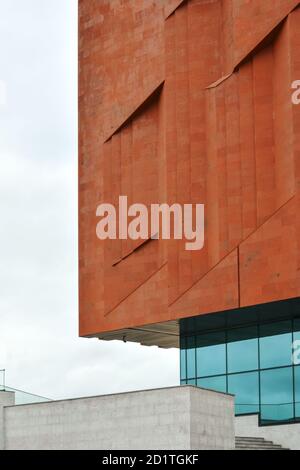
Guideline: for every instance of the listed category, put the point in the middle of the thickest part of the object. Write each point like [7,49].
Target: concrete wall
[172,418]
[212,420]
[6,399]
[288,435]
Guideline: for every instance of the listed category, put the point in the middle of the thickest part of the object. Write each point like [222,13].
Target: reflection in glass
[296,342]
[297,391]
[211,354]
[242,349]
[275,344]
[254,363]
[182,359]
[277,394]
[191,357]
[213,383]
[246,390]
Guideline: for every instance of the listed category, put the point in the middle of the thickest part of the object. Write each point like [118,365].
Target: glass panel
[191,382]
[246,390]
[277,394]
[275,344]
[211,354]
[187,326]
[296,342]
[213,383]
[297,391]
[249,316]
[191,357]
[203,362]
[297,326]
[24,398]
[242,349]
[182,359]
[205,323]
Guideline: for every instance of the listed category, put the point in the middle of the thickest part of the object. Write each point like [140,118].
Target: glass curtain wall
[255,363]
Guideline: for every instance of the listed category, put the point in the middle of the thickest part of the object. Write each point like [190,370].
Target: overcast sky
[39,346]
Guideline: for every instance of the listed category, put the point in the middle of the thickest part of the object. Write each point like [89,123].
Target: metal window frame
[226,329]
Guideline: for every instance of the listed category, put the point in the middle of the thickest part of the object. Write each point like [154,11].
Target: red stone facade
[189,102]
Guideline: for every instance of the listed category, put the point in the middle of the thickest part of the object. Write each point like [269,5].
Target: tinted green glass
[296,342]
[277,394]
[242,349]
[211,354]
[191,357]
[246,390]
[213,383]
[275,344]
[296,326]
[191,382]
[297,391]
[182,359]
[268,346]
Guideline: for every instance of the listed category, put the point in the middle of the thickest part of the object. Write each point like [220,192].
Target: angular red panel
[166,116]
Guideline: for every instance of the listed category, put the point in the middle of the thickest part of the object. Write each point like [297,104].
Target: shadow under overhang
[164,335]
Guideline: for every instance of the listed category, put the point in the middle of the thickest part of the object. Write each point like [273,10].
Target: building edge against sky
[190,102]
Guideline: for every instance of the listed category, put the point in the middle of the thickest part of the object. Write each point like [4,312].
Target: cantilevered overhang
[163,335]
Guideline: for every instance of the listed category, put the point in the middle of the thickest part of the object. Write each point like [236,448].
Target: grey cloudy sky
[39,346]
